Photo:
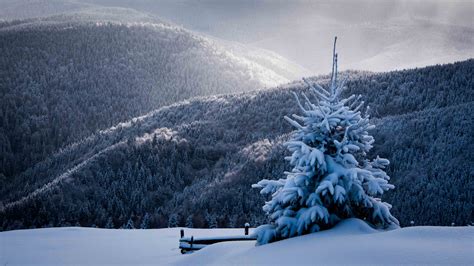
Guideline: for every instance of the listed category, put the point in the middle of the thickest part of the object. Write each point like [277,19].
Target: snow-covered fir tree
[129,224]
[173,220]
[211,221]
[331,177]
[110,223]
[232,221]
[189,222]
[145,221]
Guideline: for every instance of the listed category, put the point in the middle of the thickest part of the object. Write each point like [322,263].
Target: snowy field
[351,242]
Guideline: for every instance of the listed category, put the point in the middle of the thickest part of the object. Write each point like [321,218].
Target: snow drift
[350,242]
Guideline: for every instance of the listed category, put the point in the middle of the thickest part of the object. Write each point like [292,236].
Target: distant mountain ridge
[65,76]
[195,160]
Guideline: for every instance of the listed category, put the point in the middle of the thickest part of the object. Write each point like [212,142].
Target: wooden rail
[187,244]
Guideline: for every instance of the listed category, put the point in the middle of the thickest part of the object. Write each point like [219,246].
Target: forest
[192,163]
[65,77]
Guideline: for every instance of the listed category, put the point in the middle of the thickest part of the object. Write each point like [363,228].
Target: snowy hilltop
[350,242]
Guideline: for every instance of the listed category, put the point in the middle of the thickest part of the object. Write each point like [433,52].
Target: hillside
[195,160]
[360,244]
[66,76]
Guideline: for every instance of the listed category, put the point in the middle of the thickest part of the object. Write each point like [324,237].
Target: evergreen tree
[189,221]
[145,221]
[232,221]
[211,221]
[173,220]
[110,223]
[331,179]
[129,225]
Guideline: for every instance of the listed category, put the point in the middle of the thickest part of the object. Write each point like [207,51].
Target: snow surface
[350,242]
[92,246]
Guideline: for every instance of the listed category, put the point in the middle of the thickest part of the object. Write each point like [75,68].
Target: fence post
[182,233]
[247,225]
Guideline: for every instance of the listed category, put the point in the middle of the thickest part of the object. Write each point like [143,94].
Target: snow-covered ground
[351,242]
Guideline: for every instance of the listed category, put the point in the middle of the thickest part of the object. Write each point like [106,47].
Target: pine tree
[211,221]
[232,221]
[173,220]
[331,178]
[189,222]
[110,223]
[129,225]
[145,221]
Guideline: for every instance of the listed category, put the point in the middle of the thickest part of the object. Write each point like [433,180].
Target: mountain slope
[66,76]
[198,158]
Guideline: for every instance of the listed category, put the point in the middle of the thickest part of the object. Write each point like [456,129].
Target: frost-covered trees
[331,177]
[130,224]
[145,221]
[132,70]
[211,221]
[412,110]
[109,224]
[173,220]
[189,222]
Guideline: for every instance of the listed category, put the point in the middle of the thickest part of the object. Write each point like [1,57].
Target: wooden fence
[187,244]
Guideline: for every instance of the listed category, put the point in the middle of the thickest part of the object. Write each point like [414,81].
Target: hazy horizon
[373,35]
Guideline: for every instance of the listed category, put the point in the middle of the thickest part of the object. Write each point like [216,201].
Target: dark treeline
[61,81]
[192,164]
